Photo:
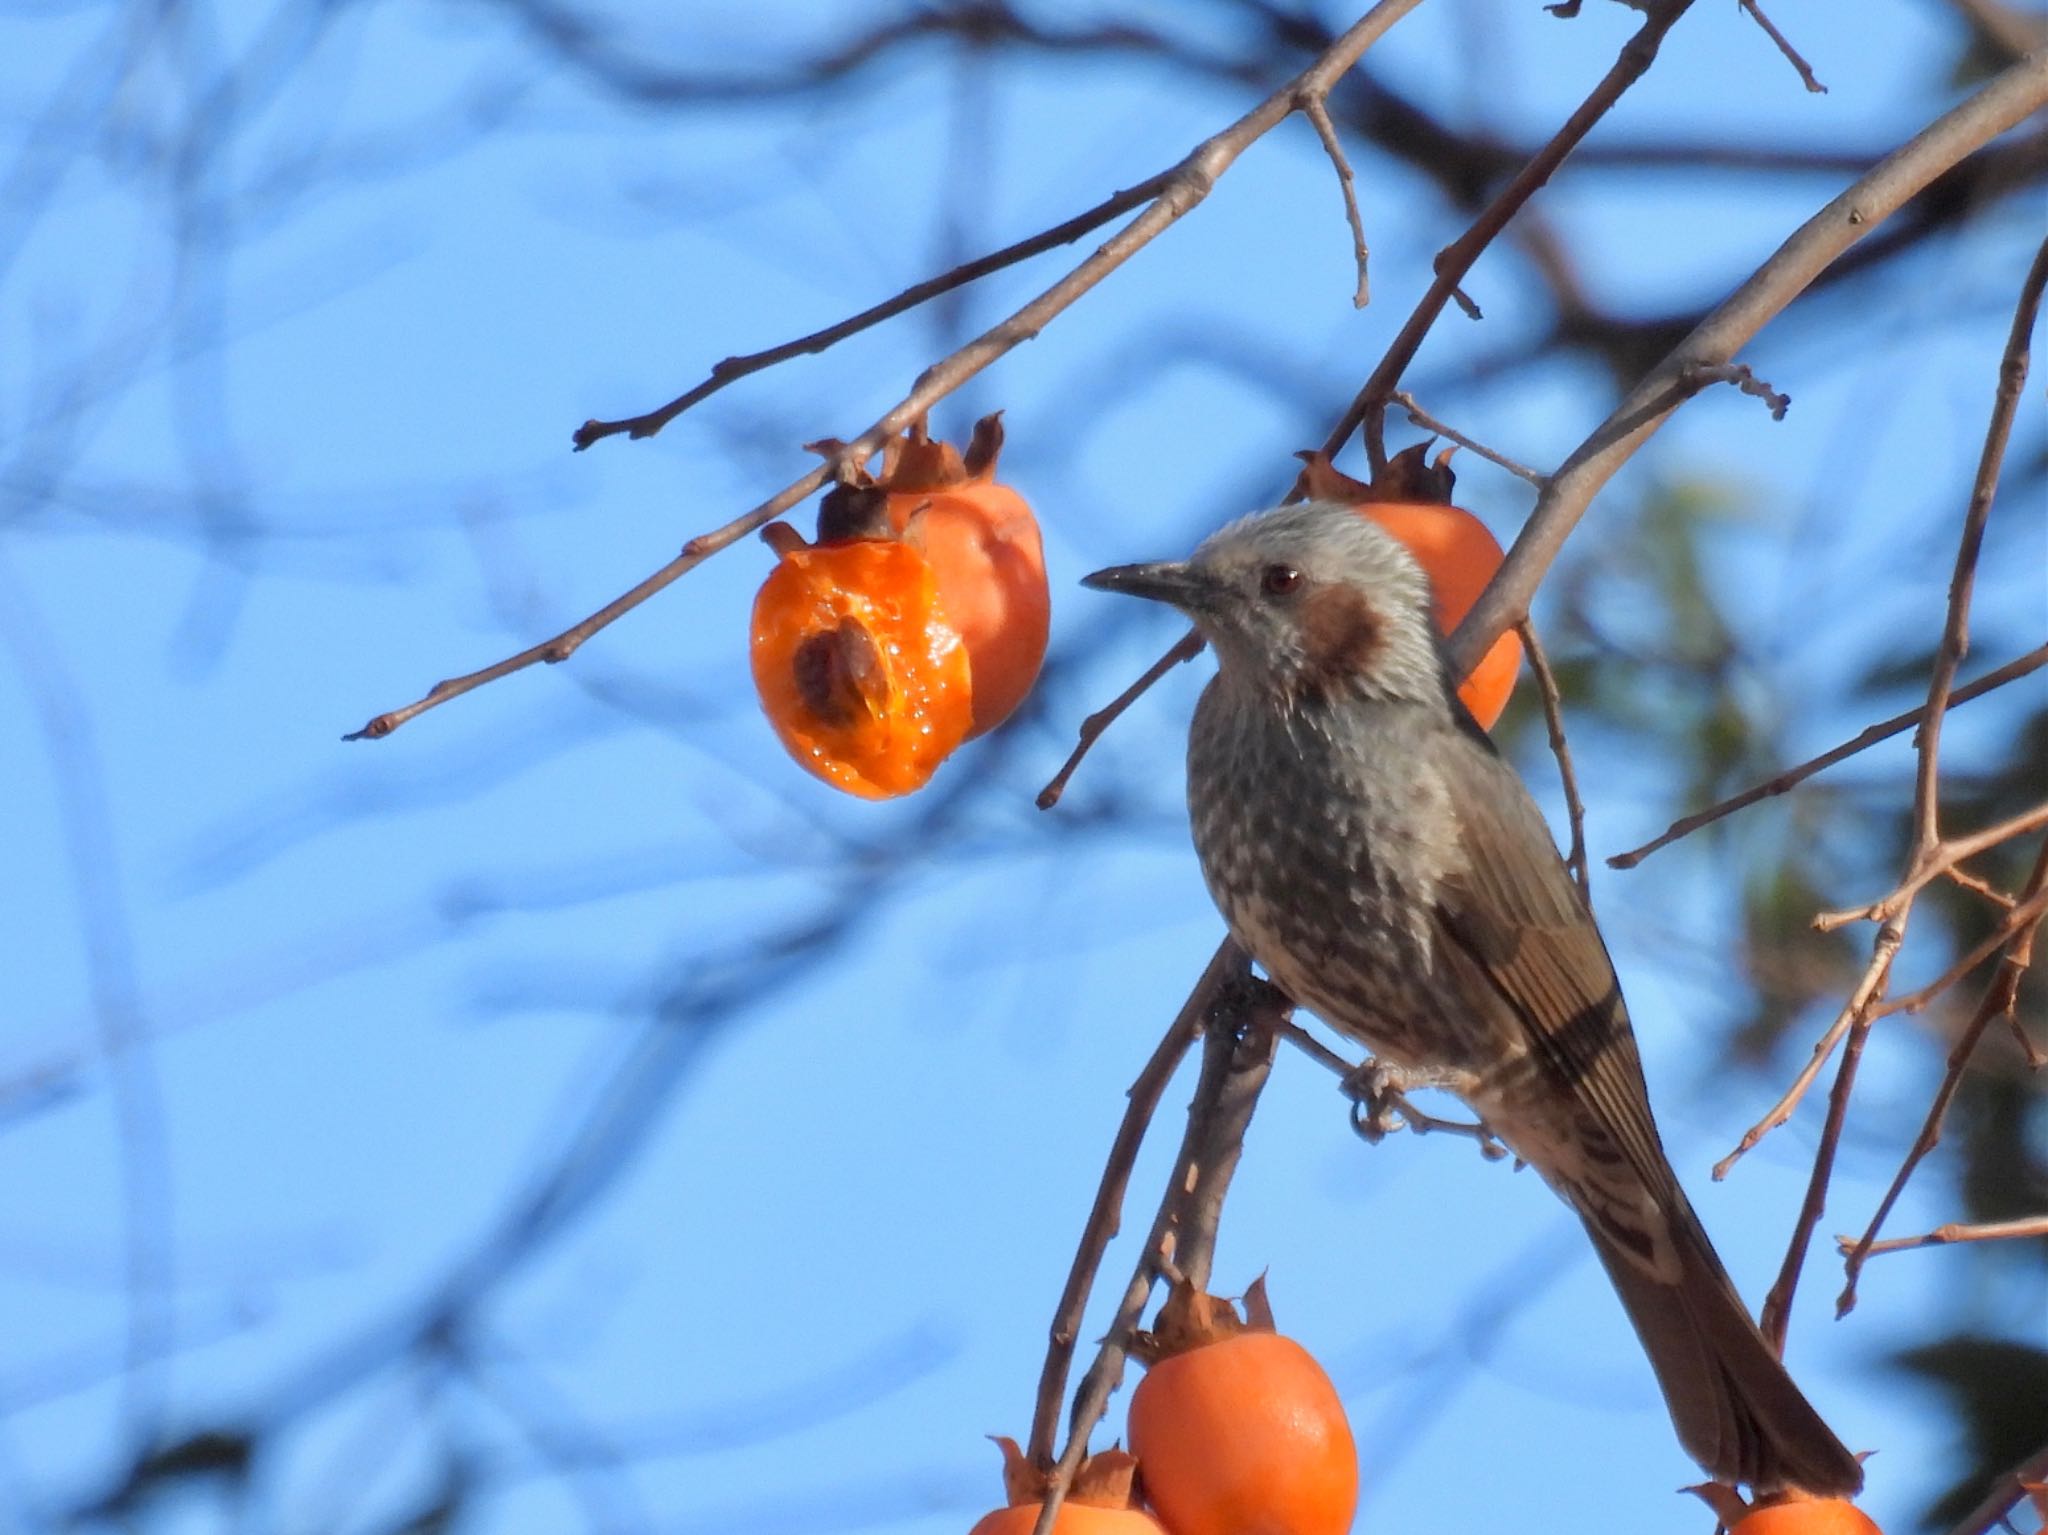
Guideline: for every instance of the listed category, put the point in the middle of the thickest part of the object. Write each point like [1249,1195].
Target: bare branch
[1319,116]
[1775,1316]
[2001,103]
[1553,716]
[1456,259]
[1930,854]
[1186,648]
[1867,989]
[1429,423]
[2000,1000]
[732,369]
[1884,730]
[1952,1232]
[1955,636]
[1106,1218]
[1806,75]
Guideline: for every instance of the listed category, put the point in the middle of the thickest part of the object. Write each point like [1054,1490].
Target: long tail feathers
[1736,1410]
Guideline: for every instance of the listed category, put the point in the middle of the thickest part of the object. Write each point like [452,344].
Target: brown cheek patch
[1341,634]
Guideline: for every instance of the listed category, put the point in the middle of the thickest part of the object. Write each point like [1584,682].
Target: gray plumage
[1370,849]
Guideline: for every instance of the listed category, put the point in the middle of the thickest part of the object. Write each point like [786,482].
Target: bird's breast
[1322,844]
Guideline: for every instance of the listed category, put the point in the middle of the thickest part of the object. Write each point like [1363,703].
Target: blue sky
[380,985]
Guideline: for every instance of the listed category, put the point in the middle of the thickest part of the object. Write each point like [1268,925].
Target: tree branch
[1884,730]
[2001,103]
[1183,189]
[1456,259]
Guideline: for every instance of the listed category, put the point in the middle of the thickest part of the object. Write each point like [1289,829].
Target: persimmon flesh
[864,681]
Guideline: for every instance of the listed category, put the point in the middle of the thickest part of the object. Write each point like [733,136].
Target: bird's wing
[1529,962]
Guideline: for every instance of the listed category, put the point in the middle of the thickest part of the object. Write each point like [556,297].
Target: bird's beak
[1170,581]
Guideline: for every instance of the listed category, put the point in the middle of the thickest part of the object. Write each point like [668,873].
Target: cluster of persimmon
[918,618]
[1234,1428]
[916,621]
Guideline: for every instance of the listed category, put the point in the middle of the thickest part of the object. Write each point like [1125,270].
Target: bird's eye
[1279,580]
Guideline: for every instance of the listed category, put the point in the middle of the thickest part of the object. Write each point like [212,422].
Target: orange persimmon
[1454,548]
[1100,1501]
[1238,1429]
[1801,1515]
[862,678]
[1784,1513]
[983,544]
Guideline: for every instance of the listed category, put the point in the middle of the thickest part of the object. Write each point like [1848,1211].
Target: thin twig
[1957,875]
[1776,1316]
[1186,648]
[1868,987]
[1319,116]
[2000,1000]
[1955,637]
[1935,861]
[1456,259]
[732,369]
[1884,730]
[1184,188]
[1806,75]
[1553,716]
[2002,102]
[1952,1232]
[1106,1217]
[1429,423]
[2017,924]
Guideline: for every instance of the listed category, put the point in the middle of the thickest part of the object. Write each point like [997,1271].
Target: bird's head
[1303,603]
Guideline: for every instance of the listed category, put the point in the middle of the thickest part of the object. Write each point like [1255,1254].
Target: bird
[1370,848]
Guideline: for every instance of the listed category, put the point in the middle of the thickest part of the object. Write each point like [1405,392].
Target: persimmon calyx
[1411,475]
[1191,1319]
[1105,1479]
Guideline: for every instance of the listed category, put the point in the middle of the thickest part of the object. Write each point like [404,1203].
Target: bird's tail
[1735,1409]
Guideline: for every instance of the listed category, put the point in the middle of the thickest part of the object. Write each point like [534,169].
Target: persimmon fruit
[1784,1513]
[1412,501]
[1100,1501]
[857,670]
[1801,1515]
[983,544]
[1237,1428]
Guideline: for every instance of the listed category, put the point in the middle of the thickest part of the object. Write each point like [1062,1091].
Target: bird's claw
[1379,1105]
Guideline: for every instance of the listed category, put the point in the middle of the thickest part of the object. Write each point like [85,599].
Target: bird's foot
[1380,1105]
